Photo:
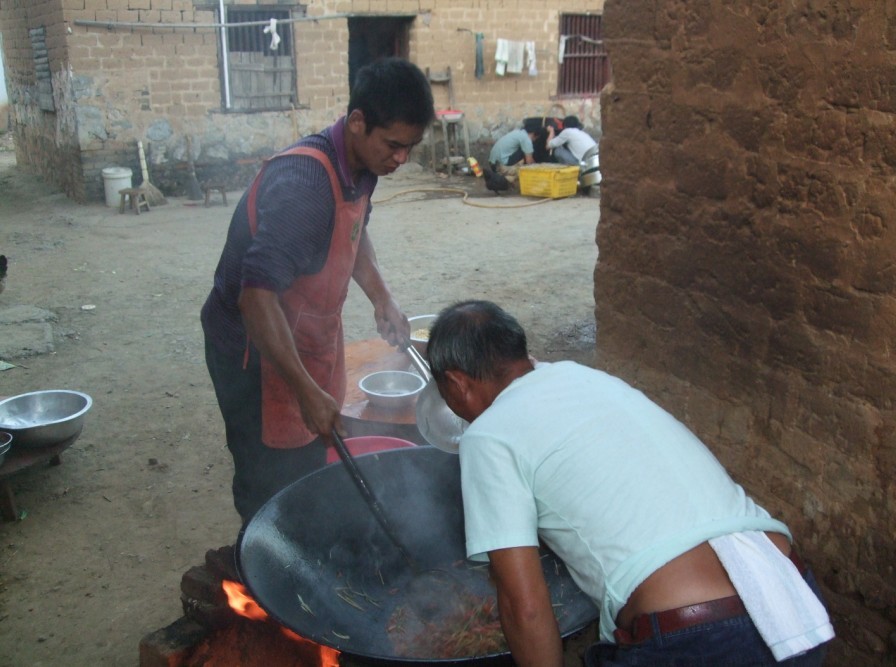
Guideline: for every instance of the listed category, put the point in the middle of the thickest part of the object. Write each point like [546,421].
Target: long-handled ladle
[358,478]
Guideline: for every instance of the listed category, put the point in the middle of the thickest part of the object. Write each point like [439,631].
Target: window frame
[258,81]
[585,67]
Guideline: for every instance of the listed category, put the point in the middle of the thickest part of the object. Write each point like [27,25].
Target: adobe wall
[117,85]
[745,277]
[44,141]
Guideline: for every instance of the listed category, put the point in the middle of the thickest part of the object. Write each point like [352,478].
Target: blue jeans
[259,471]
[734,642]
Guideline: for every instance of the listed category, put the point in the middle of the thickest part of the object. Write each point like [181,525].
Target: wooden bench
[19,459]
[208,188]
[137,197]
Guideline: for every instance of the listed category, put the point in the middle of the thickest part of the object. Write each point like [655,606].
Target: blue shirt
[509,144]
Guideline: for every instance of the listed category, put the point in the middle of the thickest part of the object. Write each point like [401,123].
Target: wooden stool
[137,198]
[208,188]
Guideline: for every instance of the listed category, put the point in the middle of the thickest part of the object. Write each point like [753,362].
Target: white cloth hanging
[530,59]
[515,57]
[271,29]
[788,615]
[562,50]
[502,53]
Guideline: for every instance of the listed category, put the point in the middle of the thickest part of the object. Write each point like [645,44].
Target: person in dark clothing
[273,319]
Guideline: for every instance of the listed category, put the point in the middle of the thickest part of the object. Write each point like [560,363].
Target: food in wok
[315,558]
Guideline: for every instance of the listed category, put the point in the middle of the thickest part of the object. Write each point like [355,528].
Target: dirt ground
[95,562]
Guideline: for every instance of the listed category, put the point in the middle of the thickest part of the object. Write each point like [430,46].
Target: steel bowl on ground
[44,418]
[437,423]
[334,576]
[391,389]
[5,445]
[419,324]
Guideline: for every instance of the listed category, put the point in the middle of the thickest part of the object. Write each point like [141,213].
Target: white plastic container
[115,179]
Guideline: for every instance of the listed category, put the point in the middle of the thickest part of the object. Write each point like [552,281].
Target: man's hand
[320,411]
[524,605]
[266,325]
[391,323]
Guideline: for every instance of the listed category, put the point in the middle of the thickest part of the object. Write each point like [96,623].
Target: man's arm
[555,141]
[267,328]
[524,605]
[391,322]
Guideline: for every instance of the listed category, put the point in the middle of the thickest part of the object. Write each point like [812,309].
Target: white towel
[789,616]
[561,51]
[502,53]
[515,57]
[530,59]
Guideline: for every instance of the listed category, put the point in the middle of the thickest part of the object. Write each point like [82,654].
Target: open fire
[242,603]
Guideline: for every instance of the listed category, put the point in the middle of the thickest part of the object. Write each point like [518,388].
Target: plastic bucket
[115,179]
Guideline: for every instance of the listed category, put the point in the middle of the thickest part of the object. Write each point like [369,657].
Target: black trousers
[259,471]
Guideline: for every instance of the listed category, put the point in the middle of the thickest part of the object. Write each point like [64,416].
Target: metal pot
[316,543]
[590,172]
[5,445]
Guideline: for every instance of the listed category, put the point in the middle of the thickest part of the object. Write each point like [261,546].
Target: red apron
[313,309]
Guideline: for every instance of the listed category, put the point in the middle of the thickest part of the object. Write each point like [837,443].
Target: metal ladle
[358,478]
[419,362]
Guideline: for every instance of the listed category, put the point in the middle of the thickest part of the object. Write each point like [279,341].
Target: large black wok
[318,562]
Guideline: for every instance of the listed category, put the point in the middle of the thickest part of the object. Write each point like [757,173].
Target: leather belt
[673,620]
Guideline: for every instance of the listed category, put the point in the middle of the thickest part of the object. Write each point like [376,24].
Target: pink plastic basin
[366,444]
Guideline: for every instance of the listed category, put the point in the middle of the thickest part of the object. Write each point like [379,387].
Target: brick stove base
[211,634]
[243,642]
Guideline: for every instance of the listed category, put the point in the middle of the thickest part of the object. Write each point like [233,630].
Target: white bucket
[115,179]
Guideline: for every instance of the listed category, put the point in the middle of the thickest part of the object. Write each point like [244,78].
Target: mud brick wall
[38,134]
[113,86]
[745,277]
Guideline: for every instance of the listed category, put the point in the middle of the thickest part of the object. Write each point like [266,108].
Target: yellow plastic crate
[549,180]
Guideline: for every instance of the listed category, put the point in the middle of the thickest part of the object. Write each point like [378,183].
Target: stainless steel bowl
[417,324]
[590,172]
[5,444]
[392,389]
[438,425]
[44,418]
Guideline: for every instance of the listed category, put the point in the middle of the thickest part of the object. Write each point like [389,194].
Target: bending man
[683,565]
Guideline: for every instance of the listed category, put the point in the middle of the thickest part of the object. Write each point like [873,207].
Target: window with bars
[584,63]
[260,78]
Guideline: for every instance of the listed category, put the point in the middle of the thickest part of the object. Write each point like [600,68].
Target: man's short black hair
[533,125]
[390,90]
[477,338]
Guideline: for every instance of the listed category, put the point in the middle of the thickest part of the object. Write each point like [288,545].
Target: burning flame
[241,602]
[245,605]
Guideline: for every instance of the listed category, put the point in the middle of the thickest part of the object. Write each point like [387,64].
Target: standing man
[683,565]
[573,144]
[273,319]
